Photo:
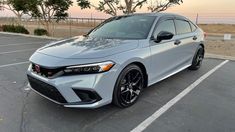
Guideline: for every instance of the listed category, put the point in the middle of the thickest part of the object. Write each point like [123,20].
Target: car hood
[85,47]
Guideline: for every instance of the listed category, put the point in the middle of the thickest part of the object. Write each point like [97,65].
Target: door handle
[177,42]
[195,38]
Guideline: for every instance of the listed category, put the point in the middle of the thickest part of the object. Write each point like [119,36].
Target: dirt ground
[220,47]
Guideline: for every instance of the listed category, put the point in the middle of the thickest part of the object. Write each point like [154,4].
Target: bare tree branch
[112,7]
[138,4]
[162,5]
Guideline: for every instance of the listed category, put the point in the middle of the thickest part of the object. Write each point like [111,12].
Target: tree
[47,10]
[112,7]
[162,5]
[18,7]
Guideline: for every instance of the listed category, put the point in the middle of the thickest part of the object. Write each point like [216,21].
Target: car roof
[158,15]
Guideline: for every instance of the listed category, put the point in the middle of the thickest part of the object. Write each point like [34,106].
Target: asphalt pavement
[209,107]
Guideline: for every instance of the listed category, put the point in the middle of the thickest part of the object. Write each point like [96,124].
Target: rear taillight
[205,35]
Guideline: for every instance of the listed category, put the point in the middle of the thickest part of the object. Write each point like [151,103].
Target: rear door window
[182,27]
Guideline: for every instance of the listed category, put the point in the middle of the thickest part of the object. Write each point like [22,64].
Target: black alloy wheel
[128,86]
[198,58]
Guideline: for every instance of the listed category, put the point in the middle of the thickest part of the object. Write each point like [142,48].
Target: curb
[214,56]
[32,36]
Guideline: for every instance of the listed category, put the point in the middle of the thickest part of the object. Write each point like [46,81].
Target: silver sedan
[115,61]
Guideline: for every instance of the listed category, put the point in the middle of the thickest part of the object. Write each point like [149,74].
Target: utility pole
[197,19]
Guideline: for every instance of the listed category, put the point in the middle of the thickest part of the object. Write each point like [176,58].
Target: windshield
[124,27]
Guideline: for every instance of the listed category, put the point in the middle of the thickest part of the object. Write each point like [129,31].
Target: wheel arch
[203,46]
[144,70]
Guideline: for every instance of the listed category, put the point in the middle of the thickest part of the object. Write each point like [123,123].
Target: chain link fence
[78,26]
[64,28]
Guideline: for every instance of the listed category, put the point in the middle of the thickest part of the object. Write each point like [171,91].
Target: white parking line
[142,126]
[24,44]
[14,64]
[16,51]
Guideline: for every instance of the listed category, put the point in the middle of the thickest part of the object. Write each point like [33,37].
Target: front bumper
[78,91]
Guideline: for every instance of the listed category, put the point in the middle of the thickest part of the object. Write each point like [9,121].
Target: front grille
[45,72]
[46,90]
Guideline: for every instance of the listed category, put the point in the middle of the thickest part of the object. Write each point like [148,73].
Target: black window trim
[174,18]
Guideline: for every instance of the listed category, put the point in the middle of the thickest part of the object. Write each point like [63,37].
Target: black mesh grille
[46,72]
[87,96]
[46,90]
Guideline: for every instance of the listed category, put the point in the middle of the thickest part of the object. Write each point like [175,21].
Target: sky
[208,10]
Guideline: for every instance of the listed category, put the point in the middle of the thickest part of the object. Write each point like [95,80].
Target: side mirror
[164,35]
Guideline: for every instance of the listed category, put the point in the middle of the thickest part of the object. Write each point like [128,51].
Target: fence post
[94,22]
[53,28]
[70,28]
[88,21]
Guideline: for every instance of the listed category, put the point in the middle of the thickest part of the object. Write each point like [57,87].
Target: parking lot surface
[209,107]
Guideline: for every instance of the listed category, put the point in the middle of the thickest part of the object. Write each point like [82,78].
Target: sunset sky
[208,10]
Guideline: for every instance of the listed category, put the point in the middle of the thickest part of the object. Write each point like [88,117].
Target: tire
[128,87]
[197,59]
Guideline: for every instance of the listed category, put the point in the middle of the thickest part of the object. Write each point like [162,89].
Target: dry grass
[63,31]
[218,28]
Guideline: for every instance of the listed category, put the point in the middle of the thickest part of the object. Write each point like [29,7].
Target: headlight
[89,68]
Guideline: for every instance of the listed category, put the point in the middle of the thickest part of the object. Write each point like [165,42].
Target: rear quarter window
[193,26]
